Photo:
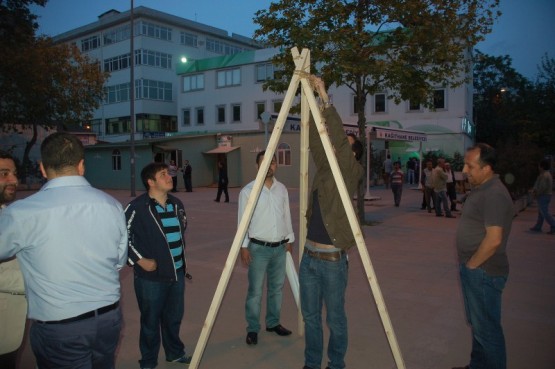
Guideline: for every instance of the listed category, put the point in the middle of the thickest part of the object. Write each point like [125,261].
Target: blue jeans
[324,282]
[543,212]
[482,302]
[441,198]
[162,307]
[85,344]
[266,262]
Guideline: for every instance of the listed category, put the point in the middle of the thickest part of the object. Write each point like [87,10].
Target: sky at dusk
[525,31]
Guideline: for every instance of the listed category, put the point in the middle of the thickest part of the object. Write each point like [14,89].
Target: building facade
[208,107]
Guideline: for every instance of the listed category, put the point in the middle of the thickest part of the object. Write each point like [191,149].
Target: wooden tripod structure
[308,105]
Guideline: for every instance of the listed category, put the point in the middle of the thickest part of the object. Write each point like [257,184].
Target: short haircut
[6,155]
[149,172]
[357,149]
[488,156]
[261,154]
[545,164]
[61,150]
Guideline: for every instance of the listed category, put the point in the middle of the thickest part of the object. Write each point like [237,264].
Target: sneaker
[535,229]
[551,231]
[183,359]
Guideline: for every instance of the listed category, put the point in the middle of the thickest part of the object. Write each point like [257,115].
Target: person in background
[268,239]
[172,170]
[426,181]
[439,183]
[396,178]
[156,222]
[323,272]
[13,304]
[411,167]
[543,191]
[71,241]
[188,176]
[451,186]
[388,168]
[222,182]
[481,240]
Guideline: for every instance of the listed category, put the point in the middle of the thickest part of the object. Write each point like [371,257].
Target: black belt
[86,315]
[328,256]
[269,244]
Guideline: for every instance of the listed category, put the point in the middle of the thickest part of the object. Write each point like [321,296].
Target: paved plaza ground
[414,257]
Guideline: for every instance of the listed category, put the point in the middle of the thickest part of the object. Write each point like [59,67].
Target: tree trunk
[26,163]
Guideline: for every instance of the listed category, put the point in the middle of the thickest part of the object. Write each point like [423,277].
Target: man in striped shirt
[156,222]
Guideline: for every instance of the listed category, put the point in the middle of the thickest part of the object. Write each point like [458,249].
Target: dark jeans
[452,194]
[162,307]
[188,183]
[86,344]
[482,303]
[222,188]
[174,180]
[397,192]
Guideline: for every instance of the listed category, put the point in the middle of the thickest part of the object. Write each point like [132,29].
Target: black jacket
[147,239]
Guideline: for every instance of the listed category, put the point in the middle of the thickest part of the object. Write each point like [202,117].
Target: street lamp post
[132,103]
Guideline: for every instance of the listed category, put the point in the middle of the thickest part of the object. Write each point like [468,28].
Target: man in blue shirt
[70,241]
[156,222]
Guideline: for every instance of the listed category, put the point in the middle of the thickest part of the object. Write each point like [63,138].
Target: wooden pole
[244,223]
[355,227]
[303,186]
[307,99]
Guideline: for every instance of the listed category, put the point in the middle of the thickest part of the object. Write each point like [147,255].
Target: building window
[153,90]
[116,35]
[117,63]
[90,43]
[277,105]
[264,72]
[220,114]
[186,117]
[117,93]
[236,113]
[116,160]
[414,105]
[379,103]
[188,39]
[193,83]
[153,58]
[155,31]
[284,154]
[439,99]
[96,126]
[156,123]
[230,77]
[260,108]
[220,47]
[118,125]
[200,116]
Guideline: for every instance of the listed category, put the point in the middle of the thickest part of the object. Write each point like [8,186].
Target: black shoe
[461,367]
[183,359]
[216,200]
[252,338]
[280,330]
[450,216]
[439,215]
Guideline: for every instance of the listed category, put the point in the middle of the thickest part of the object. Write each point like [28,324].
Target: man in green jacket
[323,270]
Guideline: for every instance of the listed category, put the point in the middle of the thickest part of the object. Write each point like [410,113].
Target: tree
[407,48]
[45,84]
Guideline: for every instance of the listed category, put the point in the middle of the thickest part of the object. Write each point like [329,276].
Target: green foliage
[42,83]
[515,116]
[406,48]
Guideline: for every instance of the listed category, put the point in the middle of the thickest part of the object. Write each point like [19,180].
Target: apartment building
[161,42]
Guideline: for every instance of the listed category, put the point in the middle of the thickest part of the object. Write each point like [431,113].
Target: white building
[161,41]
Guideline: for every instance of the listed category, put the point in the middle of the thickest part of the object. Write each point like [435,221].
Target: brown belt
[328,256]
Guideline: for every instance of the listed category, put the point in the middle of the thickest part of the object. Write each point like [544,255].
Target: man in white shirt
[269,237]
